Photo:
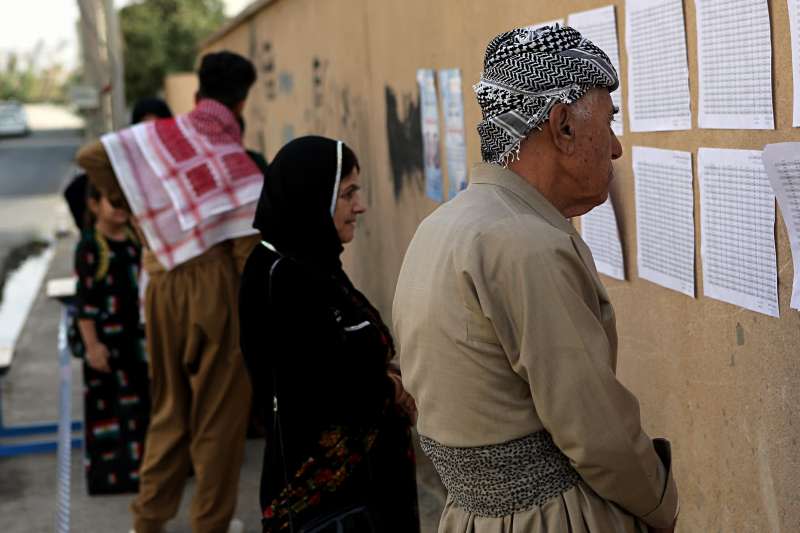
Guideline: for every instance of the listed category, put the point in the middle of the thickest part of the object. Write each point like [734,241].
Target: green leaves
[161,37]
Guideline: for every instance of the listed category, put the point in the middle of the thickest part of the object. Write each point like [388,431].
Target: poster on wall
[430,134]
[737,229]
[794,27]
[782,163]
[454,137]
[735,66]
[600,26]
[658,69]
[665,217]
[600,232]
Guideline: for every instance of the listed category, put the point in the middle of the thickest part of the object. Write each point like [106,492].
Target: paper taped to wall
[599,230]
[600,27]
[735,63]
[455,144]
[658,71]
[665,217]
[429,111]
[738,229]
[782,163]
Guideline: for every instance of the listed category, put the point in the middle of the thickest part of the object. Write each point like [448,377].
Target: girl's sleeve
[87,291]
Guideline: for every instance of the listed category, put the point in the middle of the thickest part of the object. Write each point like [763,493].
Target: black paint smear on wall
[317,75]
[404,134]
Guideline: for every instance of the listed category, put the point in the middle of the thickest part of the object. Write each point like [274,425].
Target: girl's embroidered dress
[116,404]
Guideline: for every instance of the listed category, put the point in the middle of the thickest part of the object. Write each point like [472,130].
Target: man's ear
[562,128]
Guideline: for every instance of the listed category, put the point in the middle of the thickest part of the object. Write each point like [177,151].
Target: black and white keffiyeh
[525,73]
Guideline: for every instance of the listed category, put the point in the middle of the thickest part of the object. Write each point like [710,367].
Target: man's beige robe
[505,329]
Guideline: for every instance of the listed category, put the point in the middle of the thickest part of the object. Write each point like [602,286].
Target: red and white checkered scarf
[188,180]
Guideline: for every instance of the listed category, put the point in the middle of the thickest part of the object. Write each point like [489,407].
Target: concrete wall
[720,381]
[179,91]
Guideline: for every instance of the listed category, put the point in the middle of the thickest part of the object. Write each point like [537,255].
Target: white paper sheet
[429,111]
[455,145]
[794,27]
[665,217]
[782,163]
[738,229]
[735,63]
[599,231]
[600,27]
[658,72]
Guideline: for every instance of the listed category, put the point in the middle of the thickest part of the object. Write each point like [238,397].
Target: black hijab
[294,211]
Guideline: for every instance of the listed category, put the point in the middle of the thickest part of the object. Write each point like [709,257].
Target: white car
[13,120]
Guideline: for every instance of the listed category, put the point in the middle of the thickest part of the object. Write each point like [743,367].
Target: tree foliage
[162,36]
[24,77]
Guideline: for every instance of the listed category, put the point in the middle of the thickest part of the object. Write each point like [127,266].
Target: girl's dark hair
[149,106]
[92,193]
[349,161]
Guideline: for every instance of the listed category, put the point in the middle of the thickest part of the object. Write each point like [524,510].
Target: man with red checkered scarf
[192,191]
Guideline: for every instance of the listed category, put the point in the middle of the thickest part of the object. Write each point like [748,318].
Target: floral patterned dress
[116,404]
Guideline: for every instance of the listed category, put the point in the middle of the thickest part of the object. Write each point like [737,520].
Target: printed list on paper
[737,229]
[735,63]
[600,232]
[658,71]
[782,163]
[600,27]
[665,217]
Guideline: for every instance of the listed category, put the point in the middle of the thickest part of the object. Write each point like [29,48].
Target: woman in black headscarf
[318,354]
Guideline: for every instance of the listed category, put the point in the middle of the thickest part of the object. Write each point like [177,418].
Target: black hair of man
[225,77]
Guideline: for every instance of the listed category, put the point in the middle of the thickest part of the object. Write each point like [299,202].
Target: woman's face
[105,212]
[348,207]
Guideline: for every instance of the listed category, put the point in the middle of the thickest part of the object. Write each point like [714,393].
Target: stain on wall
[268,70]
[288,133]
[286,82]
[345,107]
[404,135]
[318,69]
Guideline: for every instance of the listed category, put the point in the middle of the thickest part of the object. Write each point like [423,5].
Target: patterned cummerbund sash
[501,479]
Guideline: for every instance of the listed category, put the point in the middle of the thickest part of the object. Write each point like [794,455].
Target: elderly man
[507,336]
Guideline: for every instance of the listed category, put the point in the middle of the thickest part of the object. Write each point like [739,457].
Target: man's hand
[403,399]
[97,356]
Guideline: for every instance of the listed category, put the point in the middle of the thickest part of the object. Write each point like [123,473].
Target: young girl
[110,339]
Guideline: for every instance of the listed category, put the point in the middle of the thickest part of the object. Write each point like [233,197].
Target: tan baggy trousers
[200,393]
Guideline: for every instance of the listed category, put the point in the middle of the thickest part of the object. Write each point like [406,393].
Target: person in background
[144,110]
[109,338]
[192,190]
[338,451]
[507,336]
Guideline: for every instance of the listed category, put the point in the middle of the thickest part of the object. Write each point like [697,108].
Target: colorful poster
[430,134]
[454,137]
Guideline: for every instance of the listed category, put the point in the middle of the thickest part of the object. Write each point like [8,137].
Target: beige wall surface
[179,91]
[722,382]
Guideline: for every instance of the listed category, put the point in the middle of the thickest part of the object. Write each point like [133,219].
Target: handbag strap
[276,422]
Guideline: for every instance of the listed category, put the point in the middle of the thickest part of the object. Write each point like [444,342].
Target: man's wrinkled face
[596,146]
